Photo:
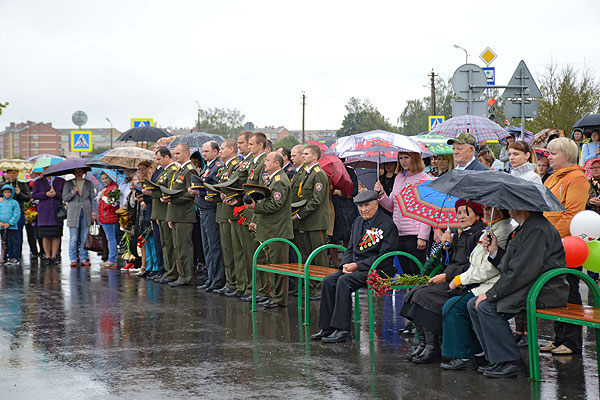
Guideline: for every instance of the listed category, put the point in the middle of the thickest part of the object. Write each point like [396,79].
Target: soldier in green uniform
[181,215]
[295,193]
[226,219]
[273,219]
[313,217]
[162,157]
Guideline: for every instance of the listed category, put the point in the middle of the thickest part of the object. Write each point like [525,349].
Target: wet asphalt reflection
[80,333]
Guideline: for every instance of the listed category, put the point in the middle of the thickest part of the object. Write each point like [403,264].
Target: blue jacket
[10,211]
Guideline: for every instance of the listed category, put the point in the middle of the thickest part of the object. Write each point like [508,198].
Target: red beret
[476,207]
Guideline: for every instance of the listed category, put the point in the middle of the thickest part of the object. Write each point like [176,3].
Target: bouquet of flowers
[239,212]
[30,212]
[382,285]
[126,244]
[143,239]
[114,197]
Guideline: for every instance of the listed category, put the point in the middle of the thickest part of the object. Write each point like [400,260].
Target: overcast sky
[131,59]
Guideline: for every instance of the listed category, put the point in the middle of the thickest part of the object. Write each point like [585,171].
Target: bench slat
[574,311]
[316,271]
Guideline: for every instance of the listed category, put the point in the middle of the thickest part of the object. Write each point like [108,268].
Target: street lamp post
[111,135]
[466,53]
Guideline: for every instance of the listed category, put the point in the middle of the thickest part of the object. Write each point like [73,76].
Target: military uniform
[257,176]
[289,170]
[159,213]
[313,217]
[181,212]
[211,241]
[274,220]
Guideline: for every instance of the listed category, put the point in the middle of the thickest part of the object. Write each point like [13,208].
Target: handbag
[94,243]
[61,213]
[95,228]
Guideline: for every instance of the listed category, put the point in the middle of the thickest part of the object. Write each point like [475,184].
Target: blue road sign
[435,120]
[490,74]
[81,141]
[139,122]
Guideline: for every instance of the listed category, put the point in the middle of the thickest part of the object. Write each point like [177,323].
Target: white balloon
[586,225]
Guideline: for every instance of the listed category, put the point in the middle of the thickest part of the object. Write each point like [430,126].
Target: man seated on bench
[533,248]
[373,234]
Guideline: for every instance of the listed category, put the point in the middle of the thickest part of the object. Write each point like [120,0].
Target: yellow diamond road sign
[488,56]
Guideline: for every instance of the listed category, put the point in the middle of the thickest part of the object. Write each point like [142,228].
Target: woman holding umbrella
[48,191]
[413,235]
[79,195]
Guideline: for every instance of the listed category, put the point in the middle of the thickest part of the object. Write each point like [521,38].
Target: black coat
[434,297]
[383,238]
[533,248]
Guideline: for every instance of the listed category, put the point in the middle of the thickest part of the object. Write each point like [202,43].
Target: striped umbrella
[424,204]
[481,128]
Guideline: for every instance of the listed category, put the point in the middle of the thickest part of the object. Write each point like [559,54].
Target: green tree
[221,121]
[362,116]
[288,141]
[3,106]
[414,119]
[567,95]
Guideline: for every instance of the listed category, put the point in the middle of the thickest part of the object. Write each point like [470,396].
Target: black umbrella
[588,121]
[497,189]
[143,134]
[196,139]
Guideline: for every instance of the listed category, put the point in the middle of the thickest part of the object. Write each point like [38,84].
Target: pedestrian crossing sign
[81,140]
[139,122]
[435,120]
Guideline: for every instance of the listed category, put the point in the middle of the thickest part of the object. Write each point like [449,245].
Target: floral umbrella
[436,143]
[481,128]
[424,204]
[127,157]
[15,164]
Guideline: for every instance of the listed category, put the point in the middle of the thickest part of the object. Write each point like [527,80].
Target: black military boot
[419,349]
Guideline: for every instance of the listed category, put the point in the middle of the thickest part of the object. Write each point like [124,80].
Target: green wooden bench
[571,314]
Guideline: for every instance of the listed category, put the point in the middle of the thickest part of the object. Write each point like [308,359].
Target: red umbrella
[335,169]
[420,202]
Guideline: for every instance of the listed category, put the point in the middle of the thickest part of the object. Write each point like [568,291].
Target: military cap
[197,182]
[210,189]
[226,183]
[230,192]
[463,138]
[365,196]
[256,192]
[297,205]
[167,191]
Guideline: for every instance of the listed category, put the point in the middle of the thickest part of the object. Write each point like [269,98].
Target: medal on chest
[370,238]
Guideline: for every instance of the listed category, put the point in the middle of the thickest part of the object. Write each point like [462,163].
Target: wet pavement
[86,333]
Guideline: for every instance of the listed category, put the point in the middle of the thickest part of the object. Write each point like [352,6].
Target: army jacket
[314,215]
[209,175]
[159,209]
[256,176]
[225,211]
[181,208]
[295,182]
[274,214]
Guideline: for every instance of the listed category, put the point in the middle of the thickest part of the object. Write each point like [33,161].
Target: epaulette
[219,164]
[317,169]
[173,168]
[190,167]
[277,178]
[234,161]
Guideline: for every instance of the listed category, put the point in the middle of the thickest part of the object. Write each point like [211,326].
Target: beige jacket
[481,271]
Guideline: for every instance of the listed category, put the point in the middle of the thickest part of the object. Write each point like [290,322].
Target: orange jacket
[572,188]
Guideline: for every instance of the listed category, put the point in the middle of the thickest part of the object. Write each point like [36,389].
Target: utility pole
[303,107]
[198,123]
[432,75]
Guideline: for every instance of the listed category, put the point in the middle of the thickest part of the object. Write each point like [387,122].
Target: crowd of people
[197,219]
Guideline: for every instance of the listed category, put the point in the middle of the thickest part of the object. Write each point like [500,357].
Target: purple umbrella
[67,166]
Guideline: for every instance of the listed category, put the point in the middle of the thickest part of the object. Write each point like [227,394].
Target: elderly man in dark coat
[423,304]
[373,234]
[533,248]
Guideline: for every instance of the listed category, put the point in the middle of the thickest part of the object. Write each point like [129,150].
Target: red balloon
[576,251]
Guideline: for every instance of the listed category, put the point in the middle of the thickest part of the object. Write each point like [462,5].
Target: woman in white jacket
[523,162]
[459,340]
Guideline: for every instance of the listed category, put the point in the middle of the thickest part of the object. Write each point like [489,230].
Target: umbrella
[127,157]
[35,158]
[369,161]
[143,134]
[196,139]
[420,202]
[374,143]
[163,142]
[497,189]
[15,164]
[336,171]
[516,130]
[44,162]
[324,148]
[481,128]
[67,167]
[588,121]
[438,144]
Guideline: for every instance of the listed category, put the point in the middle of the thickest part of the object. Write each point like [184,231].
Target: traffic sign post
[139,122]
[469,82]
[490,74]
[488,56]
[435,120]
[477,107]
[81,141]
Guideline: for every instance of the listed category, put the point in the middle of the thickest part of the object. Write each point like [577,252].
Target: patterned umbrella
[378,143]
[481,128]
[15,164]
[424,204]
[44,162]
[127,157]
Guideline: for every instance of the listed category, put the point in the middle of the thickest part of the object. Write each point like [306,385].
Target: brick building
[28,139]
[274,134]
